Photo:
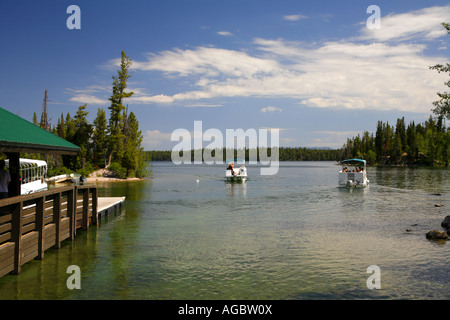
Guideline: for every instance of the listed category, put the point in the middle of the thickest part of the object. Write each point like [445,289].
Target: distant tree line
[114,144]
[285,154]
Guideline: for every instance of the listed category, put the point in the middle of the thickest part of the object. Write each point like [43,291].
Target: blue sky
[309,68]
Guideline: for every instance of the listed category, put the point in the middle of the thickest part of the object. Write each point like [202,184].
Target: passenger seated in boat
[345,169]
[231,167]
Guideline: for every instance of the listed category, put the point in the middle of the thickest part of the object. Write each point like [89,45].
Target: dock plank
[107,204]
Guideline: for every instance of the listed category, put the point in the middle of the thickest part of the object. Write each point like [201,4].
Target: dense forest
[425,144]
[113,143]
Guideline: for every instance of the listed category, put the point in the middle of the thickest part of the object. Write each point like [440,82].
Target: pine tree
[379,142]
[61,130]
[44,118]
[82,135]
[35,119]
[116,108]
[99,138]
[132,159]
[69,125]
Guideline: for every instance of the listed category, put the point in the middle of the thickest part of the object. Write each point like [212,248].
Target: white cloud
[205,61]
[294,17]
[225,33]
[344,74]
[367,72]
[95,94]
[271,109]
[424,23]
[88,99]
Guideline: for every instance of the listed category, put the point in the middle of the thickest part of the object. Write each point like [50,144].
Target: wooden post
[40,226]
[94,206]
[71,212]
[57,219]
[85,208]
[14,171]
[75,210]
[16,235]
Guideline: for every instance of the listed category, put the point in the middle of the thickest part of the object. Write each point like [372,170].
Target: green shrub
[119,171]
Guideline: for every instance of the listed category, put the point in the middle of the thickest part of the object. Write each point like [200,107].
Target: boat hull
[353,179]
[236,175]
[236,179]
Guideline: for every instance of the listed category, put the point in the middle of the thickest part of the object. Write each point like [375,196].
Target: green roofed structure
[19,135]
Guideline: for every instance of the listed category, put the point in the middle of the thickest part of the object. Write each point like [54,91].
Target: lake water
[295,235]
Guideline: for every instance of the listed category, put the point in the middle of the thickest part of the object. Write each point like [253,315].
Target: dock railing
[31,224]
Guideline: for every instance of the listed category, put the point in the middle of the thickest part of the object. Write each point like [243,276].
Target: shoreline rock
[437,235]
[446,223]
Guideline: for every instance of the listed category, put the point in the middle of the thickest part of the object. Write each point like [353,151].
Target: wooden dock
[106,205]
[31,224]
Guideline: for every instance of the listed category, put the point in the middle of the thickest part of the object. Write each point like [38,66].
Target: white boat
[353,173]
[33,174]
[233,174]
[67,178]
[62,178]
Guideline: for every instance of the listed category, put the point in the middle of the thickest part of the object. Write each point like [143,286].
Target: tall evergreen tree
[82,135]
[35,119]
[61,129]
[100,138]
[44,117]
[132,158]
[116,108]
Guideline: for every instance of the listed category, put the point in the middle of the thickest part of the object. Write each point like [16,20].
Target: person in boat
[231,167]
[345,169]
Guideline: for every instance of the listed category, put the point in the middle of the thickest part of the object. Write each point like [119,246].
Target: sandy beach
[104,175]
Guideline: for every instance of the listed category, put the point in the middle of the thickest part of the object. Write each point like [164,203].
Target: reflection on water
[187,234]
[236,189]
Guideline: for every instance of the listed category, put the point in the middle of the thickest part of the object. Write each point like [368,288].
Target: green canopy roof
[354,162]
[20,135]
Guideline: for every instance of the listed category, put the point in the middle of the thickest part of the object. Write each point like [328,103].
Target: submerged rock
[437,235]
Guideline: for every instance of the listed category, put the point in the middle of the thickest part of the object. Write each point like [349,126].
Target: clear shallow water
[295,235]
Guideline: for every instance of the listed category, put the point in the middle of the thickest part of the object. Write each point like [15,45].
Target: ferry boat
[33,174]
[233,174]
[353,173]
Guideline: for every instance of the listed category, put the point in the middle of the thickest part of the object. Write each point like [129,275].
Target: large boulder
[446,223]
[437,235]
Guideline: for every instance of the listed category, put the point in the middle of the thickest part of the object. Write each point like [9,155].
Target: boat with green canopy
[353,173]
